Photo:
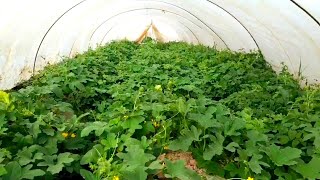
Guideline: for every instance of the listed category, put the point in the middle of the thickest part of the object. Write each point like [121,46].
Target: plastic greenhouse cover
[36,33]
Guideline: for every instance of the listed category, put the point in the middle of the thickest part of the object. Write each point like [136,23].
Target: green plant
[112,112]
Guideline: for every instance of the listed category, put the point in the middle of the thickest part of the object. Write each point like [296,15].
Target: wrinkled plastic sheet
[36,33]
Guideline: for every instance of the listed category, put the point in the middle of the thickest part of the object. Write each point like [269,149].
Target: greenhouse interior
[160,89]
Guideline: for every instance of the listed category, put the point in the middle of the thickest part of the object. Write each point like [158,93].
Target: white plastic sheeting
[36,33]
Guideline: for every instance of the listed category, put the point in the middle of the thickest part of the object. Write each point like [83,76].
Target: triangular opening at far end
[150,31]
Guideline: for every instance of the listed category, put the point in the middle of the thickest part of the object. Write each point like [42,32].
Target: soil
[191,163]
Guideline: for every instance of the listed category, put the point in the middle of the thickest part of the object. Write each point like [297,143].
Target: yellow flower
[115,178]
[125,117]
[73,135]
[166,148]
[250,178]
[156,124]
[65,134]
[158,88]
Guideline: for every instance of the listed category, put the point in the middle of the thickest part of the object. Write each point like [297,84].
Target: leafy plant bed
[114,112]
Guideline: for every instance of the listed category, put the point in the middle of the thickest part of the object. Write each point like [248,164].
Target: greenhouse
[159,89]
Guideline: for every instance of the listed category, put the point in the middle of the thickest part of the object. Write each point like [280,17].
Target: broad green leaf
[206,120]
[285,156]
[315,133]
[19,138]
[49,131]
[35,129]
[256,136]
[134,162]
[155,165]
[157,108]
[98,127]
[214,148]
[37,156]
[25,156]
[51,146]
[144,142]
[64,158]
[232,125]
[286,174]
[234,170]
[92,155]
[255,164]
[138,173]
[184,142]
[182,106]
[188,87]
[178,170]
[310,170]
[58,92]
[110,142]
[54,169]
[76,85]
[14,171]
[232,147]
[135,156]
[148,127]
[195,133]
[2,170]
[251,148]
[211,167]
[75,143]
[31,174]
[133,123]
[87,175]
[221,111]
[48,160]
